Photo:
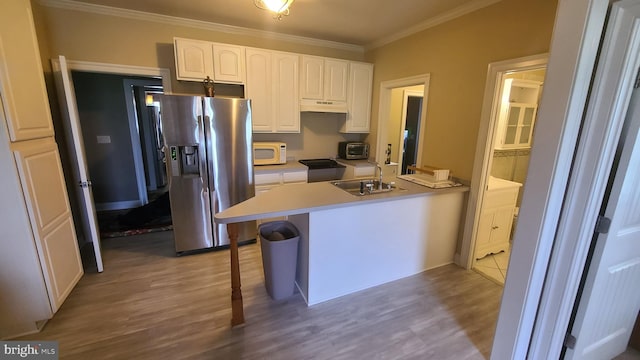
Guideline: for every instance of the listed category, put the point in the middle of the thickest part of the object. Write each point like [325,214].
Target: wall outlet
[103,139]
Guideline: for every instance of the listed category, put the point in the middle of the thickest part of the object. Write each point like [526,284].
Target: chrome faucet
[380,178]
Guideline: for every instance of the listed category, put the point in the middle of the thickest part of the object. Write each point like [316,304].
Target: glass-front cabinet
[518,109]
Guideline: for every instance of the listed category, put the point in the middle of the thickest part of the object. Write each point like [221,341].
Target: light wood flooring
[150,304]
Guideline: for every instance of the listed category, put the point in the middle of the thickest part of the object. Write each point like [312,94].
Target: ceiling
[366,23]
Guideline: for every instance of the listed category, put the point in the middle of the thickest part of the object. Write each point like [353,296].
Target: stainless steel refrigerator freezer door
[187,172]
[230,165]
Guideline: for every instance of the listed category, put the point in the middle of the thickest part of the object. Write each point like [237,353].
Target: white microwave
[269,153]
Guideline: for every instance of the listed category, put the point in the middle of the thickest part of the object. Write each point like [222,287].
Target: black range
[323,169]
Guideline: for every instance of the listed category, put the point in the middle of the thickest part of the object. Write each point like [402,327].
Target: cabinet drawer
[268,178]
[295,176]
[503,197]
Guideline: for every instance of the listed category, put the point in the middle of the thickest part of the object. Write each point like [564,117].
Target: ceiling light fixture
[280,8]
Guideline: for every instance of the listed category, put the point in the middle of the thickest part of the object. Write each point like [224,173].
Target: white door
[611,297]
[73,131]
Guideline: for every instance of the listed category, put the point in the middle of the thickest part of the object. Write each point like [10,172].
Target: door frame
[547,216]
[385,107]
[127,70]
[605,113]
[485,146]
[138,127]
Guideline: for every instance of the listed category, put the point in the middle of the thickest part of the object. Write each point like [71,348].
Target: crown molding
[435,21]
[205,25]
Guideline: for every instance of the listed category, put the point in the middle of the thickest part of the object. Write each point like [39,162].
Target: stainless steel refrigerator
[209,154]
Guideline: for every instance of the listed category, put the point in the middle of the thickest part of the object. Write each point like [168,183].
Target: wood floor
[150,304]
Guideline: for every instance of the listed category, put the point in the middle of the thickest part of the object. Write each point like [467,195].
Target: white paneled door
[611,297]
[81,179]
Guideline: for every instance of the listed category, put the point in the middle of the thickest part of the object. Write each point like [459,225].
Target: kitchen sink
[362,187]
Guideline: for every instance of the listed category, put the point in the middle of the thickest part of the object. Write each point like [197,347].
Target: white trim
[600,134]
[462,10]
[484,146]
[120,69]
[134,132]
[385,107]
[197,24]
[574,46]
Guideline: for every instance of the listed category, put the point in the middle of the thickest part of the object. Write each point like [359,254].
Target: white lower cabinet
[41,264]
[47,203]
[266,180]
[496,219]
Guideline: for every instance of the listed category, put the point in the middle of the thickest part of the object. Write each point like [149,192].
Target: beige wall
[456,54]
[83,36]
[110,39]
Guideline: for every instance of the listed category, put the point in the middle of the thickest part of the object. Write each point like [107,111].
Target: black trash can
[279,245]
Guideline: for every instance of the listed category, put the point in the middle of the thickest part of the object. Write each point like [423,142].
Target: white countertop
[303,198]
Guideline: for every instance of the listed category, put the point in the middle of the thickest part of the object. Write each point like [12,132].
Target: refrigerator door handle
[204,171]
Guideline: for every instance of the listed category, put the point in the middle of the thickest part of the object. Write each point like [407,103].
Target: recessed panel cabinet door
[194,59]
[336,75]
[259,89]
[46,198]
[27,105]
[285,82]
[228,63]
[359,100]
[312,78]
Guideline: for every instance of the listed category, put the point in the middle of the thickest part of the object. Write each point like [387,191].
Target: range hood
[309,105]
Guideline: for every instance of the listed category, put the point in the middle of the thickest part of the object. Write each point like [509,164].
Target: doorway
[114,137]
[85,204]
[401,121]
[410,128]
[519,95]
[508,161]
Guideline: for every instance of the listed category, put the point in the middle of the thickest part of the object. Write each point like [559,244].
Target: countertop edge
[327,197]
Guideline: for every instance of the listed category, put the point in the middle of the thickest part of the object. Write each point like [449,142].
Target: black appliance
[323,169]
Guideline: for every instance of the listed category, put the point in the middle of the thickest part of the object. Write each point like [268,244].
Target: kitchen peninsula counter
[350,243]
[304,198]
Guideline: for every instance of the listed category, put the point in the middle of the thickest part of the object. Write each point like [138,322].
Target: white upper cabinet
[258,89]
[358,117]
[272,86]
[286,74]
[324,79]
[336,74]
[21,76]
[518,109]
[228,63]
[312,78]
[196,59]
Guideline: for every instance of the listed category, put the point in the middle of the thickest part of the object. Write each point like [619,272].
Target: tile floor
[494,267]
